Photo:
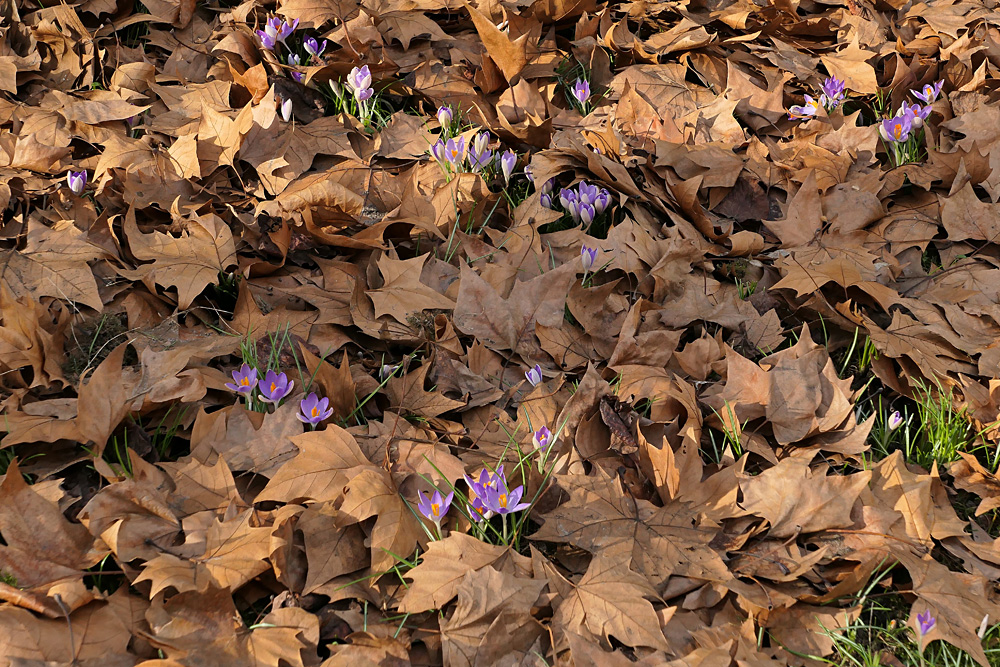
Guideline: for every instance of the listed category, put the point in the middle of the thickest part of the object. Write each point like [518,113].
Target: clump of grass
[745,288]
[945,430]
[878,637]
[91,343]
[731,439]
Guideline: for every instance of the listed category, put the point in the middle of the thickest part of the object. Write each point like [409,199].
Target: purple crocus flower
[437,152]
[454,151]
[566,196]
[925,622]
[929,92]
[801,111]
[833,93]
[897,129]
[244,380]
[542,438]
[549,186]
[587,257]
[313,409]
[477,511]
[266,40]
[360,81]
[293,59]
[581,91]
[587,213]
[478,490]
[77,181]
[499,501]
[602,201]
[284,29]
[445,116]
[286,110]
[313,47]
[534,376]
[479,160]
[435,507]
[274,387]
[545,199]
[528,174]
[574,209]
[916,113]
[587,193]
[895,420]
[508,160]
[387,371]
[487,479]
[482,142]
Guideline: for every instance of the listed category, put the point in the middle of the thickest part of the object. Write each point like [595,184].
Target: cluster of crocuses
[489,494]
[276,31]
[359,81]
[903,133]
[273,389]
[833,96]
[583,204]
[451,154]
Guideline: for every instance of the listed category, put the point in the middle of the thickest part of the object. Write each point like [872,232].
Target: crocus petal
[507,162]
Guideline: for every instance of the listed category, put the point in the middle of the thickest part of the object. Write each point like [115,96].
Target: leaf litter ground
[537,333]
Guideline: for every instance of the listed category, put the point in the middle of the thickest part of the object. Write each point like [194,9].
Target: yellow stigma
[244,382]
[273,387]
[315,412]
[897,130]
[503,500]
[435,509]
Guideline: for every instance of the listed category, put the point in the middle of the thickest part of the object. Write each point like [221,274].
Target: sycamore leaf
[189,262]
[372,493]
[403,293]
[436,579]
[659,542]
[796,500]
[609,601]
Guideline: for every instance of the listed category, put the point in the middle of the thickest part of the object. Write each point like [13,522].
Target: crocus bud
[77,181]
[534,376]
[314,48]
[545,200]
[528,174]
[566,196]
[507,162]
[481,143]
[587,257]
[445,116]
[286,110]
[895,420]
[586,213]
[437,151]
[588,193]
[550,186]
[602,201]
[574,209]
